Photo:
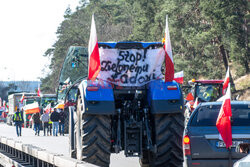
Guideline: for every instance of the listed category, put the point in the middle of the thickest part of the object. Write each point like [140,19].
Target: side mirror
[73,65]
[74,62]
[61,83]
[84,55]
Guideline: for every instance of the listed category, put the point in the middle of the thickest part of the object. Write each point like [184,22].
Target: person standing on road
[18,119]
[36,121]
[45,121]
[54,117]
[61,122]
[50,125]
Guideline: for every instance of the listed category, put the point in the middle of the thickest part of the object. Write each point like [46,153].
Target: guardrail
[15,153]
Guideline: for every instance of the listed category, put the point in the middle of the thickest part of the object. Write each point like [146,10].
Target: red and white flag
[0,102]
[178,77]
[94,57]
[226,82]
[196,103]
[169,62]
[32,108]
[38,91]
[22,98]
[48,108]
[223,122]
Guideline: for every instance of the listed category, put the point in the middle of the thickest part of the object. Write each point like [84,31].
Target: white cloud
[27,30]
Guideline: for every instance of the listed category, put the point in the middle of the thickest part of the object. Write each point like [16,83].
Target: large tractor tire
[66,123]
[168,131]
[72,132]
[168,138]
[95,135]
[145,160]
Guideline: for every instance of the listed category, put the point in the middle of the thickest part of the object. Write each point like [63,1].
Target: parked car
[202,144]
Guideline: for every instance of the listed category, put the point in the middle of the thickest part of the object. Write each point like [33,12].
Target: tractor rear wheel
[95,137]
[66,123]
[72,132]
[145,160]
[168,139]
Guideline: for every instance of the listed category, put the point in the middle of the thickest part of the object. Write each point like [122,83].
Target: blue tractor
[141,115]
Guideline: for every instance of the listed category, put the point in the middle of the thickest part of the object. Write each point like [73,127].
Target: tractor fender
[165,97]
[99,99]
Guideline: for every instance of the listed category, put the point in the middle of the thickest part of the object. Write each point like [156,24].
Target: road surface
[59,144]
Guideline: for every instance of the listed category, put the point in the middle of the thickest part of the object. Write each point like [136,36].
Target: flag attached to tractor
[169,62]
[178,77]
[94,57]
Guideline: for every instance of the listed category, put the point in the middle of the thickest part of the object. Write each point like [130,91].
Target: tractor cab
[206,90]
[74,67]
[203,91]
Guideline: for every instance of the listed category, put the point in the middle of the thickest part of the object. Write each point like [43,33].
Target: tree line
[206,36]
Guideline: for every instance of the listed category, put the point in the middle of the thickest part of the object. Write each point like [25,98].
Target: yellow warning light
[163,40]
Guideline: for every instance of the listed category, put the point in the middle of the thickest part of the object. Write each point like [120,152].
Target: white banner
[131,67]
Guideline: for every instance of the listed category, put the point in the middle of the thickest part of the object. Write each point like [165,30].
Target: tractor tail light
[172,87]
[186,145]
[92,88]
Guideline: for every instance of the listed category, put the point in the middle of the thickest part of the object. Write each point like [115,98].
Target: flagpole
[230,157]
[230,147]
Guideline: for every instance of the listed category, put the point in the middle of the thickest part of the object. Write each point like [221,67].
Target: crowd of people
[52,123]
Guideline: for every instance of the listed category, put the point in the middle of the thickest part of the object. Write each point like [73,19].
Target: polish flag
[32,108]
[169,73]
[38,91]
[94,57]
[48,108]
[178,77]
[22,98]
[223,122]
[196,103]
[226,82]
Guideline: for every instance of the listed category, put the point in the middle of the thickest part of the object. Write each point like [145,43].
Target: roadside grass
[242,86]
[242,82]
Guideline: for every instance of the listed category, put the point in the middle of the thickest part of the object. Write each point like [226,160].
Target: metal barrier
[15,153]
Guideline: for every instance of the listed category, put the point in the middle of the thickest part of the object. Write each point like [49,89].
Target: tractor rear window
[208,93]
[207,115]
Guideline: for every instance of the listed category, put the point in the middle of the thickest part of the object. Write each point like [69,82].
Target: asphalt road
[59,144]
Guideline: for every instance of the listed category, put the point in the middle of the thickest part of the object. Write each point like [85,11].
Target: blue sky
[27,30]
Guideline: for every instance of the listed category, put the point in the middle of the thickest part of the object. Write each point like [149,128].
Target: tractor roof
[193,81]
[130,45]
[209,81]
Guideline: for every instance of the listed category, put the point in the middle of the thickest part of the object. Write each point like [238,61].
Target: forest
[206,36]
